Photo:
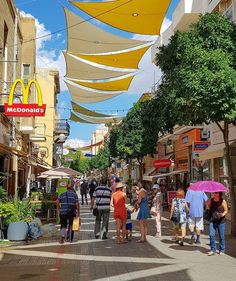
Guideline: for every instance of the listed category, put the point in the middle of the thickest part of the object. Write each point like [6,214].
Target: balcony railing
[62,127]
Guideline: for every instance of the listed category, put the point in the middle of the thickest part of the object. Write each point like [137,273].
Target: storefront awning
[213,151]
[151,178]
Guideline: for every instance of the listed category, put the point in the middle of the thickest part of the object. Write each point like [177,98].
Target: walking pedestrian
[143,213]
[92,187]
[218,210]
[118,201]
[196,201]
[156,209]
[178,215]
[84,191]
[68,203]
[102,197]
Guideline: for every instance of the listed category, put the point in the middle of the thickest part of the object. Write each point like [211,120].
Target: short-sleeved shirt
[68,201]
[196,200]
[103,197]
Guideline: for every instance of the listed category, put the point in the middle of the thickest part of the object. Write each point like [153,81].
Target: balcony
[187,12]
[39,133]
[61,131]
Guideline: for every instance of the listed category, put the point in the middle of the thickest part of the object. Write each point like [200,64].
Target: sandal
[140,241]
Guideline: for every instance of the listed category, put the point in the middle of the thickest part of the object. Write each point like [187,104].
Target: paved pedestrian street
[103,260]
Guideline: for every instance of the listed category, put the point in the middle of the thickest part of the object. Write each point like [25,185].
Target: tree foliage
[102,160]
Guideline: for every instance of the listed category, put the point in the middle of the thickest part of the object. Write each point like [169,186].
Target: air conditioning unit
[205,135]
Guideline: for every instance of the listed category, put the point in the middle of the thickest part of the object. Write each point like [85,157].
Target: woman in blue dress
[143,214]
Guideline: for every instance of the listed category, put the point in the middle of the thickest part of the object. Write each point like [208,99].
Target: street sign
[199,145]
[162,163]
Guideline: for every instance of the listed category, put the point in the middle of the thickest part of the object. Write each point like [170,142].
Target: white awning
[84,37]
[78,69]
[89,96]
[86,119]
[151,178]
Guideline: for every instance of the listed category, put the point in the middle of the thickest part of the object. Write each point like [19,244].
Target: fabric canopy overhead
[80,109]
[86,96]
[111,85]
[136,16]
[86,119]
[129,59]
[84,37]
[78,69]
[76,118]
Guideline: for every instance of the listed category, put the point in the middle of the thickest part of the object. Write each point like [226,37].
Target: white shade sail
[77,69]
[86,119]
[89,96]
[84,37]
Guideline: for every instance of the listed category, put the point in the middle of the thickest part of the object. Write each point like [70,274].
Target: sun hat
[119,185]
[156,186]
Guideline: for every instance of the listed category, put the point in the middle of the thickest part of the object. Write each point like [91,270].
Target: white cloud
[76,143]
[46,58]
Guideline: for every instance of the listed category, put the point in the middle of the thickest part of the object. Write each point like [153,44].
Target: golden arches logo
[24,108]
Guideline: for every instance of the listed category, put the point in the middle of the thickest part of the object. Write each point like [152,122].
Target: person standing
[68,203]
[118,201]
[196,201]
[218,210]
[178,214]
[157,207]
[102,197]
[84,191]
[143,213]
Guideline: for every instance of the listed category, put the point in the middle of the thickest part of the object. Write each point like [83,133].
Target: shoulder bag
[95,210]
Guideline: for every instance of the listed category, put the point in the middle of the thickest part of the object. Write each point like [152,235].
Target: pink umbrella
[208,186]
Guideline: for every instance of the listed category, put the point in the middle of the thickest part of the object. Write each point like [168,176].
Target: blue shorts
[129,226]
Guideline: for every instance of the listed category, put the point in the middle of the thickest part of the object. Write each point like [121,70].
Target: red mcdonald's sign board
[162,163]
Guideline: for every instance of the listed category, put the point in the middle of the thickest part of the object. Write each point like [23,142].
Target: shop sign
[162,163]
[69,159]
[200,145]
[25,109]
[170,196]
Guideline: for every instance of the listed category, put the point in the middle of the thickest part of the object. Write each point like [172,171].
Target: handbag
[206,215]
[76,224]
[153,211]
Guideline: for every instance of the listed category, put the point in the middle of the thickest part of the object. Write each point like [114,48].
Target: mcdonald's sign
[25,109]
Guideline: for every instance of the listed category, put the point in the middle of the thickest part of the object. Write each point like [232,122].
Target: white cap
[156,186]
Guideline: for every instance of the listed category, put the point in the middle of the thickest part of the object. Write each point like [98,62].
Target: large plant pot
[17,231]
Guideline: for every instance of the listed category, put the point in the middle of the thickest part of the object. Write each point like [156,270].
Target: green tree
[199,75]
[102,160]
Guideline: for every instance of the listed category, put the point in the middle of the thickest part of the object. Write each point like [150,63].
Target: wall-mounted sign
[162,163]
[58,149]
[200,145]
[25,109]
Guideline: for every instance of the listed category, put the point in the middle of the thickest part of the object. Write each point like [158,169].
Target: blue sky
[50,17]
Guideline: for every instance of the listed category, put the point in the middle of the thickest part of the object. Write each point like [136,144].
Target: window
[26,70]
[185,140]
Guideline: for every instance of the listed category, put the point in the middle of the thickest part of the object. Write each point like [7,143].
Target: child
[129,225]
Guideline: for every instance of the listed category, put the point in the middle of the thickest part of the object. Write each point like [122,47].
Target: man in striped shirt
[68,203]
[102,196]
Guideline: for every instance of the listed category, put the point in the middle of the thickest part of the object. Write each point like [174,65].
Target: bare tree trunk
[225,132]
[140,169]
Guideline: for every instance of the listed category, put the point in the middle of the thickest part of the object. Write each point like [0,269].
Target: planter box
[17,231]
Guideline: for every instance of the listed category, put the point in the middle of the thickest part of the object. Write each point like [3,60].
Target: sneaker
[96,236]
[181,243]
[104,238]
[62,240]
[198,242]
[211,253]
[221,253]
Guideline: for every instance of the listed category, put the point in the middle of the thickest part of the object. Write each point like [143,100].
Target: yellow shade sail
[128,59]
[84,37]
[136,16]
[111,85]
[77,69]
[76,118]
[82,110]
[93,120]
[89,95]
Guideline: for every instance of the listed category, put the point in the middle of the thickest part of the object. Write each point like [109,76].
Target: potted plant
[17,214]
